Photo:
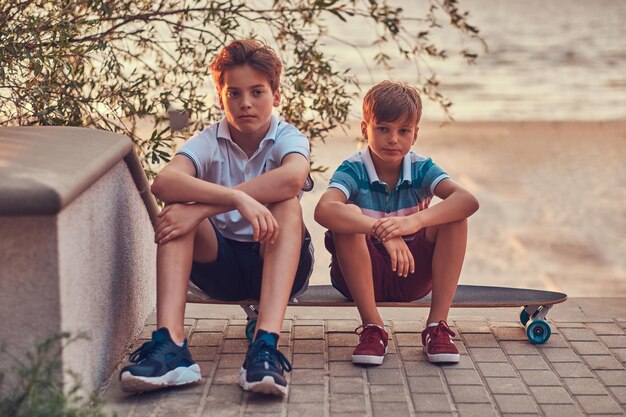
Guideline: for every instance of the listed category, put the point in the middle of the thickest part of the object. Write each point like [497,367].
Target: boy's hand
[263,223]
[176,220]
[392,227]
[402,261]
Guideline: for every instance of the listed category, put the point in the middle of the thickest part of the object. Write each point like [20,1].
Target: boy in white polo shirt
[233,224]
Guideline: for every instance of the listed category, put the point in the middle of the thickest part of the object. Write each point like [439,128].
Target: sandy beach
[552,195]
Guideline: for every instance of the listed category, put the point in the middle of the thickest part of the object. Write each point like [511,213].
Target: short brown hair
[388,101]
[247,52]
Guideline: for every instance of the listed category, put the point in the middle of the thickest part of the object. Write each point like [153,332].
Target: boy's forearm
[340,218]
[177,187]
[272,186]
[458,206]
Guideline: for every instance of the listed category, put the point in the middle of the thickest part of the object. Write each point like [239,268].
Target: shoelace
[267,353]
[148,349]
[368,335]
[442,328]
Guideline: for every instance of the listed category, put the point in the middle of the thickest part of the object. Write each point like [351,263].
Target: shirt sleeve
[345,179]
[200,149]
[291,140]
[431,175]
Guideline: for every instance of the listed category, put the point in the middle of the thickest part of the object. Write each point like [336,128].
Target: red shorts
[388,286]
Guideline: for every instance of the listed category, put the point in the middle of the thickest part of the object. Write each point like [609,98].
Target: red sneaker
[438,345]
[372,345]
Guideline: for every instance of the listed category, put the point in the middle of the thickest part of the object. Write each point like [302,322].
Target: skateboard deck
[534,303]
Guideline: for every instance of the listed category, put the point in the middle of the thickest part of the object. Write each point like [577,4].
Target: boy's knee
[287,210]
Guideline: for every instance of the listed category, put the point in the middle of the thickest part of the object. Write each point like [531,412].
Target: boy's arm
[457,204]
[333,213]
[177,183]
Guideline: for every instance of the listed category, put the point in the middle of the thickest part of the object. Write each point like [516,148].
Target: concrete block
[540,377]
[552,410]
[431,403]
[308,332]
[347,385]
[612,378]
[571,370]
[476,410]
[574,334]
[379,376]
[387,394]
[590,348]
[487,355]
[614,341]
[338,369]
[551,395]
[598,404]
[508,403]
[396,409]
[462,376]
[560,355]
[603,362]
[603,329]
[305,410]
[505,386]
[480,340]
[307,376]
[496,369]
[343,339]
[342,403]
[308,346]
[308,360]
[524,362]
[306,393]
[581,386]
[421,368]
[469,394]
[472,326]
[426,385]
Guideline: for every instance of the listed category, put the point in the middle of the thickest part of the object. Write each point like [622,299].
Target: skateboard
[534,304]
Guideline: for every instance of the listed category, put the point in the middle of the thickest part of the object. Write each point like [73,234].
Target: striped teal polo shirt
[356,177]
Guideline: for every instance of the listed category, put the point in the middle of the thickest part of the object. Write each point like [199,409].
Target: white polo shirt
[221,161]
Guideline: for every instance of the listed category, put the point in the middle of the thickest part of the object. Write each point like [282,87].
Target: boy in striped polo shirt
[387,243]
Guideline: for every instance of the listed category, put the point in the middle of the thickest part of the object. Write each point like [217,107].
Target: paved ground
[580,371]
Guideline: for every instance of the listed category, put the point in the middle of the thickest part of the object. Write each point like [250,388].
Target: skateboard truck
[533,317]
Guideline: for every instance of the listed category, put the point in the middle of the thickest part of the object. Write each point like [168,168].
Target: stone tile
[472,326]
[519,348]
[408,339]
[203,353]
[620,354]
[235,346]
[236,332]
[487,355]
[612,378]
[210,325]
[560,410]
[379,376]
[603,362]
[391,361]
[260,403]
[620,394]
[598,404]
[469,394]
[524,362]
[539,378]
[580,386]
[407,326]
[340,353]
[431,402]
[226,377]
[571,370]
[420,368]
[614,341]
[206,368]
[515,403]
[510,333]
[344,369]
[308,346]
[556,340]
[206,339]
[341,325]
[566,323]
[308,332]
[226,410]
[387,393]
[606,329]
[230,360]
[225,394]
[411,354]
[573,334]
[426,384]
[341,403]
[476,410]
[461,376]
[551,395]
[305,410]
[590,348]
[343,339]
[397,409]
[308,360]
[306,393]
[480,340]
[560,355]
[496,369]
[465,362]
[307,376]
[346,385]
[505,386]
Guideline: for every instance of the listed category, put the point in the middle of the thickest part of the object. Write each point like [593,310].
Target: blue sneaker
[159,363]
[263,369]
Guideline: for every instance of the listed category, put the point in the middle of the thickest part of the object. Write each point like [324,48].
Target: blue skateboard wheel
[250,328]
[524,317]
[538,331]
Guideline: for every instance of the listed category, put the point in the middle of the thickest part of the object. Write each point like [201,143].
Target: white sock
[433,324]
[180,344]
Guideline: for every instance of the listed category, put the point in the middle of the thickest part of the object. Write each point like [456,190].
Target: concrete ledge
[76,245]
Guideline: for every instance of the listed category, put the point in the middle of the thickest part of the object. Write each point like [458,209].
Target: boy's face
[247,99]
[389,141]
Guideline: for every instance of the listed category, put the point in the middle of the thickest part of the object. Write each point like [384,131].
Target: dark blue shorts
[237,272]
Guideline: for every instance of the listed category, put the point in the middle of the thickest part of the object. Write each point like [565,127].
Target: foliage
[118,64]
[39,394]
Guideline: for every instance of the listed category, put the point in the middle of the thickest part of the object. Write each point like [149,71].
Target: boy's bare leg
[280,263]
[450,243]
[174,260]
